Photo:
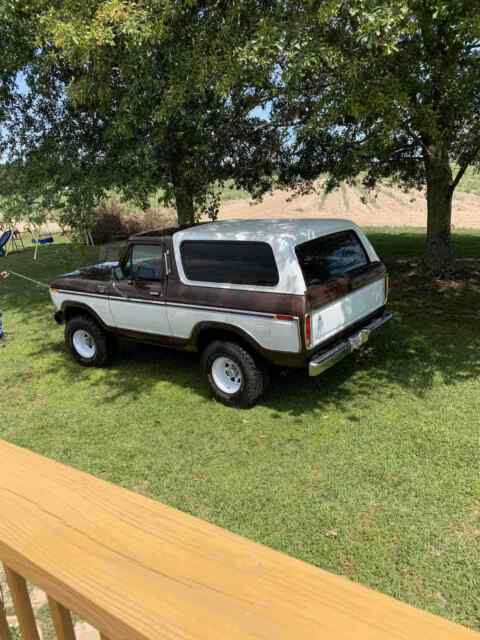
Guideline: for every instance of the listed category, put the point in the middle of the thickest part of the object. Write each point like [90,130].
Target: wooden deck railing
[138,570]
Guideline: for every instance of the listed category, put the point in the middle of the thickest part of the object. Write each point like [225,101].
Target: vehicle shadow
[408,354]
[433,336]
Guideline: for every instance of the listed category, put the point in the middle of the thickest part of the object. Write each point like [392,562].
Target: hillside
[389,207]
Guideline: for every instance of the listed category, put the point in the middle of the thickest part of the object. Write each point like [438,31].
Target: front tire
[87,343]
[233,374]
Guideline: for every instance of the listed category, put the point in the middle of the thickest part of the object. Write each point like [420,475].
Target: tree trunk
[439,255]
[184,205]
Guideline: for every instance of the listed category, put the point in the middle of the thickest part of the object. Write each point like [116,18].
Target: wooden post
[4,630]
[62,620]
[22,605]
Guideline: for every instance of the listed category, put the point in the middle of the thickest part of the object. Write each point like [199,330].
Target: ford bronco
[245,294]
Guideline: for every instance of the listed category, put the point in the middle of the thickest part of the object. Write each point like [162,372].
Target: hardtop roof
[297,230]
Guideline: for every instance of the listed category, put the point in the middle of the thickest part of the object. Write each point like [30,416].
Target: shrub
[114,221]
[133,223]
[156,218]
[109,221]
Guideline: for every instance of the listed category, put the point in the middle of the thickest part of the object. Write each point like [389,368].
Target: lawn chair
[41,240]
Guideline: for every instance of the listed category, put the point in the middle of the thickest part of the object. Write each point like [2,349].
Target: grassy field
[370,471]
[401,242]
[470,182]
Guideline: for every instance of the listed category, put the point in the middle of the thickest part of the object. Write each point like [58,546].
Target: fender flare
[70,305]
[223,327]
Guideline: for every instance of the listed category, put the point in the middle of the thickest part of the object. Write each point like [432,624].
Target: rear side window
[232,262]
[330,257]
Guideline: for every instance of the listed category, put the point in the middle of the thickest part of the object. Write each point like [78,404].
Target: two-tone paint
[272,320]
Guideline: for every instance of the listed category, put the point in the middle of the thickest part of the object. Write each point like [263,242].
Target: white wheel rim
[227,375]
[84,344]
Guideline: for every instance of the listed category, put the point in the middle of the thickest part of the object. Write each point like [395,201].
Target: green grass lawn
[370,471]
[402,242]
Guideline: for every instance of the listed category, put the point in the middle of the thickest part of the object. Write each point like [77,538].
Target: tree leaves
[126,96]
[165,93]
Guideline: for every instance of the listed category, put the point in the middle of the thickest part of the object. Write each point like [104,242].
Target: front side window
[229,262]
[145,262]
[330,257]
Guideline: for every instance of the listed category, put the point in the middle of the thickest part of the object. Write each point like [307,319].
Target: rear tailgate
[345,282]
[334,309]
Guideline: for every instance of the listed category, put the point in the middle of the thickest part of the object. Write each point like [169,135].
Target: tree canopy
[163,94]
[384,89]
[120,95]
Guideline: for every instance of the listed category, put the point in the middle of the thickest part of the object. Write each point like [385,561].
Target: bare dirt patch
[389,207]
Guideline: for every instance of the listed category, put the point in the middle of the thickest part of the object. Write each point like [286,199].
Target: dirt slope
[390,207]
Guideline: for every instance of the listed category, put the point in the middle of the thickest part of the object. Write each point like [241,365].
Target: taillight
[308,330]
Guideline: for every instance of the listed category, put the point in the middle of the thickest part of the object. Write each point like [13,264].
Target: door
[138,300]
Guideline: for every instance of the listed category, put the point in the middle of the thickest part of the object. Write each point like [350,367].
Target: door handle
[101,289]
[154,293]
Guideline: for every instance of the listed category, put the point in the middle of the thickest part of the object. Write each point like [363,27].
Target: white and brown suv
[245,294]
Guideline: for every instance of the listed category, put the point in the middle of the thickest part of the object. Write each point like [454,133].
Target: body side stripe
[164,303]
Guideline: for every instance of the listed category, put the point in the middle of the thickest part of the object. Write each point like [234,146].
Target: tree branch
[464,167]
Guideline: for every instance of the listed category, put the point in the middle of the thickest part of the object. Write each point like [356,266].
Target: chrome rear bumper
[343,348]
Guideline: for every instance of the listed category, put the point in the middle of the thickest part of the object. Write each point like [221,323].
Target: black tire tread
[254,376]
[101,339]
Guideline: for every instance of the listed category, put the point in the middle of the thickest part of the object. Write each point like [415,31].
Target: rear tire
[86,341]
[233,374]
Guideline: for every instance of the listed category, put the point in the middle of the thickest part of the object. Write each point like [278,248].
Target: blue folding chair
[46,239]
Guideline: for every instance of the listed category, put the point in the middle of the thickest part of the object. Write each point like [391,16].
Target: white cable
[19,275]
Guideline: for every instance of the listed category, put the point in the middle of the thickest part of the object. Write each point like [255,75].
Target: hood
[80,279]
